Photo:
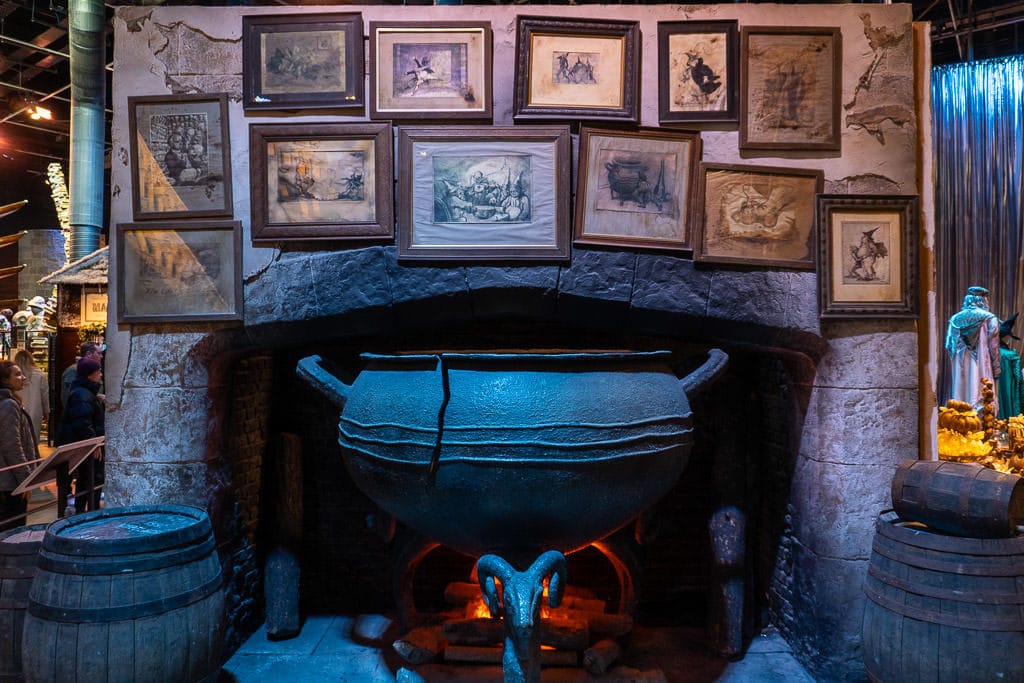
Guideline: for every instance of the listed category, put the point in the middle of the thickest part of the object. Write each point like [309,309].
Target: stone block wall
[857,413]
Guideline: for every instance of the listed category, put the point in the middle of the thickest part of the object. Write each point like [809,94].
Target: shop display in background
[969,435]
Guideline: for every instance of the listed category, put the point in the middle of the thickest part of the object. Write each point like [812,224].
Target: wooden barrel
[18,550]
[959,498]
[126,594]
[942,608]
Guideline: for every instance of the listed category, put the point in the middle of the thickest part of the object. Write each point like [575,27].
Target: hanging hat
[1006,327]
[977,291]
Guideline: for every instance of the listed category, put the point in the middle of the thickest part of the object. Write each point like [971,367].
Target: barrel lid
[23,539]
[114,531]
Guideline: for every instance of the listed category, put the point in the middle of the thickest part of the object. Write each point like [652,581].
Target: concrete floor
[325,651]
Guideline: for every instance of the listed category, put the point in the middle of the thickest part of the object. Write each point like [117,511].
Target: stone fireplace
[798,442]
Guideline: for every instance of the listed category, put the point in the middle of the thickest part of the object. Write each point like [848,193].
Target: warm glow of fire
[477,608]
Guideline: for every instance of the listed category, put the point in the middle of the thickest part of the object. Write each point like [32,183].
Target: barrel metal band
[141,610]
[94,566]
[18,572]
[957,621]
[945,593]
[884,549]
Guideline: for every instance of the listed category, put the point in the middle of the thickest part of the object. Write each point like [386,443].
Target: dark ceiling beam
[981,21]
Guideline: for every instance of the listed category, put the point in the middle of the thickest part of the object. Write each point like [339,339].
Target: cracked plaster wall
[862,419]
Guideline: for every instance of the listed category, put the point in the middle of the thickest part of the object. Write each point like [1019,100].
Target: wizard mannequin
[1011,382]
[972,341]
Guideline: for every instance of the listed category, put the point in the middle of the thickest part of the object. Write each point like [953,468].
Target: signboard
[94,307]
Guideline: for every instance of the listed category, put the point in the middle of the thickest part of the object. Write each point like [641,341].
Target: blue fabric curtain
[978,139]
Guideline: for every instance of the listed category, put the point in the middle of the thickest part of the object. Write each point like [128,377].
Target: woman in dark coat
[83,418]
[17,444]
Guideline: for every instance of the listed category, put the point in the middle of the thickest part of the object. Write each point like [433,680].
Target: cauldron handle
[707,373]
[311,370]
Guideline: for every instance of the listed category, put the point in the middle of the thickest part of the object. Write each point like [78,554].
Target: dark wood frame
[749,101]
[590,173]
[902,300]
[497,140]
[267,231]
[730,30]
[352,94]
[700,227]
[530,27]
[198,193]
[456,106]
[188,294]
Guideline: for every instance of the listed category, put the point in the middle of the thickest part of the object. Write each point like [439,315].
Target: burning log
[565,635]
[420,645]
[493,655]
[599,623]
[598,658]
[470,673]
[459,593]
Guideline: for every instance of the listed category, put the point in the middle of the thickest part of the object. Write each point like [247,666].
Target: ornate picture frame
[430,70]
[868,256]
[303,61]
[577,69]
[483,193]
[179,271]
[180,156]
[321,181]
[635,188]
[756,215]
[792,81]
[698,71]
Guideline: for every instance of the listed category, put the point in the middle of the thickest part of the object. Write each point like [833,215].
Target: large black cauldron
[515,452]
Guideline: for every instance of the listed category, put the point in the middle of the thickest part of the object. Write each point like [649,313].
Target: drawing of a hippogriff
[482,189]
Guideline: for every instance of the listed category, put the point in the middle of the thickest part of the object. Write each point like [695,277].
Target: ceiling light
[36,112]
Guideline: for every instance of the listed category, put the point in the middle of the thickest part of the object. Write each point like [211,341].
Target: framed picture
[635,188]
[483,193]
[303,61]
[792,85]
[181,156]
[698,68]
[423,70]
[869,257]
[179,271]
[573,69]
[756,215]
[321,181]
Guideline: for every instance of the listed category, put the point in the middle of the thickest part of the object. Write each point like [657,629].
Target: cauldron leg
[407,550]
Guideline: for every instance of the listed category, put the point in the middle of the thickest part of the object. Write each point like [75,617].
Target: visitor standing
[17,445]
[35,397]
[84,419]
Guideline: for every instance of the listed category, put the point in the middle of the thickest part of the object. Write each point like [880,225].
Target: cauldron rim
[560,355]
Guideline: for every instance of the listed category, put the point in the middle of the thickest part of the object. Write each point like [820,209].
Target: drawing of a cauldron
[627,178]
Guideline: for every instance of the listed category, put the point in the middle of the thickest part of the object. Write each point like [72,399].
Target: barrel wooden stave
[965,499]
[18,548]
[162,621]
[940,610]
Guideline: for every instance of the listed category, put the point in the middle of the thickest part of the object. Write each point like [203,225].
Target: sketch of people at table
[493,189]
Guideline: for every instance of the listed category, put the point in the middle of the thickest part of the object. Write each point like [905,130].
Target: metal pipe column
[88,97]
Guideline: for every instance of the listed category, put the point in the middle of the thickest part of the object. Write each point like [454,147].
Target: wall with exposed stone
[169,385]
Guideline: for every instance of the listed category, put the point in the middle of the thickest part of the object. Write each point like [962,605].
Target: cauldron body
[514,453]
